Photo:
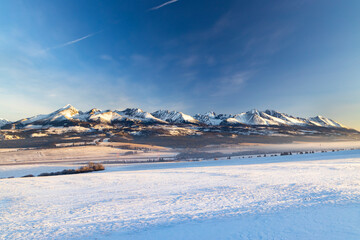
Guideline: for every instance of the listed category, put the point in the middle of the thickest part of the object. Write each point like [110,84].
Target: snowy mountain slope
[174,116]
[138,114]
[325,122]
[254,117]
[3,122]
[211,118]
[268,117]
[85,116]
[65,113]
[290,120]
[105,117]
[230,121]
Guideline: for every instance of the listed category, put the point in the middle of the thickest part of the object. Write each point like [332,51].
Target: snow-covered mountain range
[68,115]
[267,118]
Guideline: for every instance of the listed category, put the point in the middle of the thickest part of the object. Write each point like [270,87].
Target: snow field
[292,197]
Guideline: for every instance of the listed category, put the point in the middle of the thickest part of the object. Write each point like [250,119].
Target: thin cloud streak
[163,5]
[74,41]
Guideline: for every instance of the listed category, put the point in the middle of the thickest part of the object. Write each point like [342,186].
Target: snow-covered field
[102,152]
[314,196]
[34,169]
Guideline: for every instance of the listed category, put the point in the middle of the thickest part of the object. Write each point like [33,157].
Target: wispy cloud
[232,84]
[163,5]
[106,57]
[74,41]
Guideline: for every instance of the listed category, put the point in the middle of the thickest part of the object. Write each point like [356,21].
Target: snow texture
[313,196]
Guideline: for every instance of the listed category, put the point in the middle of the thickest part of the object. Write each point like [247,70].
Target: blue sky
[301,57]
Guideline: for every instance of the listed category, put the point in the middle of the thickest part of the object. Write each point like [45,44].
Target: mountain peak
[67,111]
[132,111]
[325,122]
[210,114]
[3,122]
[271,111]
[254,111]
[67,106]
[93,111]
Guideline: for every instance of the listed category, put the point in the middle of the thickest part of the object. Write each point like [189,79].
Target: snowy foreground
[314,196]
